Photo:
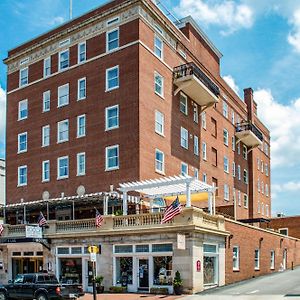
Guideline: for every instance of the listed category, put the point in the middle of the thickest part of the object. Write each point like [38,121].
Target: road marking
[253,292]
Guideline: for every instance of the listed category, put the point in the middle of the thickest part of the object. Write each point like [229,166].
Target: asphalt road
[284,285]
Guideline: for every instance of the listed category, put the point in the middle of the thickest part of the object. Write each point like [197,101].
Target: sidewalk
[130,297]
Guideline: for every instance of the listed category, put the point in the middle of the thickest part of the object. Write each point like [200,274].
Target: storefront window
[123,249]
[162,270]
[71,270]
[162,247]
[142,248]
[124,270]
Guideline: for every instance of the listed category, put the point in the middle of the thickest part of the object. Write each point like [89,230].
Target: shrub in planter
[118,289]
[159,291]
[177,284]
[99,286]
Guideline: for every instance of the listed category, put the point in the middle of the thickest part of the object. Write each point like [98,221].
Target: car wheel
[41,296]
[2,296]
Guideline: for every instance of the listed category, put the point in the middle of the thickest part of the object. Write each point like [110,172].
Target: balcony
[249,134]
[195,84]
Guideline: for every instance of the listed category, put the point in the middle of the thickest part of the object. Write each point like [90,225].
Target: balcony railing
[191,69]
[240,127]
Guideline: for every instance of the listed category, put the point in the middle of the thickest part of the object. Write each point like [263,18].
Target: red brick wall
[247,238]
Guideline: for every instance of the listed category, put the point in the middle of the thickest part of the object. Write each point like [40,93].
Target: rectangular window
[63,167]
[262,166]
[204,152]
[184,138]
[47,66]
[46,170]
[81,126]
[23,77]
[142,248]
[236,258]
[226,164]
[284,231]
[245,152]
[63,131]
[225,109]
[256,259]
[245,201]
[63,95]
[162,270]
[159,122]
[22,142]
[196,145]
[113,21]
[267,169]
[214,157]
[46,136]
[214,128]
[267,190]
[22,175]
[225,137]
[267,210]
[123,249]
[162,247]
[204,177]
[272,265]
[158,84]
[233,169]
[183,104]
[196,114]
[226,192]
[266,149]
[239,172]
[239,198]
[245,176]
[112,158]
[23,110]
[196,173]
[112,117]
[159,161]
[112,40]
[112,78]
[184,169]
[81,164]
[64,60]
[233,143]
[203,120]
[158,47]
[81,52]
[46,101]
[239,148]
[232,118]
[215,184]
[81,93]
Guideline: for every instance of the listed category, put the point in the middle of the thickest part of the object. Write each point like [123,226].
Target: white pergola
[169,186]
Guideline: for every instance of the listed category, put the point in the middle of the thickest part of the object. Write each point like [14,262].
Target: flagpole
[71,9]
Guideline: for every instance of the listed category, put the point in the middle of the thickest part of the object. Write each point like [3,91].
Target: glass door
[143,279]
[87,275]
[210,270]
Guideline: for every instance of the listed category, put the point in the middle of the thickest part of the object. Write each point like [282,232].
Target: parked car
[39,286]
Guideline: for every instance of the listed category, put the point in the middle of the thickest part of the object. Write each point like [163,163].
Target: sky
[260,43]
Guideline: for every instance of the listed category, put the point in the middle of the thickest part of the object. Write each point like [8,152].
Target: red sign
[198,265]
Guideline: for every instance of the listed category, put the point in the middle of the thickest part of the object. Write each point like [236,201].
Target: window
[196,115]
[214,127]
[233,143]
[245,200]
[158,47]
[47,66]
[46,170]
[215,184]
[196,173]
[225,137]
[233,169]
[123,249]
[183,104]
[63,167]
[262,187]
[112,78]
[112,158]
[239,198]
[262,166]
[236,258]
[142,248]
[204,153]
[225,109]
[256,259]
[159,122]
[81,89]
[267,210]
[258,185]
[23,77]
[184,169]
[266,149]
[46,101]
[196,145]
[124,264]
[63,95]
[113,21]
[239,172]
[158,84]
[23,110]
[262,209]
[232,117]
[226,192]
[22,175]
[258,163]
[46,136]
[112,117]
[162,270]
[81,52]
[226,164]
[204,177]
[112,40]
[244,152]
[267,190]
[203,120]
[245,176]
[184,135]
[283,231]
[64,60]
[159,161]
[63,131]
[258,207]
[214,157]
[239,148]
[81,164]
[22,142]
[267,169]
[81,125]
[272,265]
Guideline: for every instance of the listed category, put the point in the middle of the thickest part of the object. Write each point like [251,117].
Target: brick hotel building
[124,94]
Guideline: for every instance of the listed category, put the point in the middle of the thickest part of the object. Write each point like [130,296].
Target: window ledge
[236,270]
[46,180]
[112,128]
[80,99]
[79,175]
[112,169]
[21,185]
[111,89]
[62,178]
[160,134]
[160,172]
[23,151]
[159,95]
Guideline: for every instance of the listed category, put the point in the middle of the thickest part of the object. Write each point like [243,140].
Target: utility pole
[71,9]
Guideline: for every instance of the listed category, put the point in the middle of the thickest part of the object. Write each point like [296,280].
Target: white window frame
[204,177]
[44,101]
[225,109]
[81,154]
[256,259]
[58,167]
[19,144]
[78,126]
[158,115]
[183,104]
[196,173]
[107,89]
[48,59]
[232,117]
[245,200]
[78,88]
[226,192]
[239,172]
[59,141]
[160,162]
[196,145]
[233,143]
[107,168]
[281,229]
[245,152]
[79,53]
[19,111]
[43,135]
[59,59]
[236,260]
[59,96]
[183,164]
[107,128]
[225,137]
[203,120]
[226,164]
[156,37]
[239,198]
[233,169]
[195,113]
[161,94]
[204,151]
[44,179]
[245,176]
[272,262]
[107,41]
[184,142]
[19,169]
[20,77]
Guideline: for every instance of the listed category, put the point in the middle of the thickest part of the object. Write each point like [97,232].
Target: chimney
[251,104]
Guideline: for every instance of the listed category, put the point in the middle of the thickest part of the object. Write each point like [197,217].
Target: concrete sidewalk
[130,297]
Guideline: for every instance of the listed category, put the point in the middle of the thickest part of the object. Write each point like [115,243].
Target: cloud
[229,15]
[2,114]
[231,82]
[284,124]
[56,21]
[294,35]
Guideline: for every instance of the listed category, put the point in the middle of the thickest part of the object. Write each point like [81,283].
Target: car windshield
[19,278]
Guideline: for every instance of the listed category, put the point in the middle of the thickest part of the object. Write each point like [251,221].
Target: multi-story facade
[2,181]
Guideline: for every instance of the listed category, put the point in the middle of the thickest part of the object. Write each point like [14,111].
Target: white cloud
[229,15]
[56,21]
[284,124]
[2,114]
[294,35]
[231,82]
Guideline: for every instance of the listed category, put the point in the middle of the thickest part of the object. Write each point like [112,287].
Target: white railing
[137,220]
[75,225]
[16,230]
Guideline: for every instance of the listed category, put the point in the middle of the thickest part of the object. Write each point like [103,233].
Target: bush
[118,289]
[177,280]
[99,280]
[159,291]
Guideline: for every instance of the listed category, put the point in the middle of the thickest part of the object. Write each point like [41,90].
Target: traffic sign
[93,257]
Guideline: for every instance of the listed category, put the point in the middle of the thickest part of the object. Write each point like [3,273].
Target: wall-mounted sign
[33,232]
[198,266]
[181,241]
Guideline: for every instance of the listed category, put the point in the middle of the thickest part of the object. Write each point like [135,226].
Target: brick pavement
[130,297]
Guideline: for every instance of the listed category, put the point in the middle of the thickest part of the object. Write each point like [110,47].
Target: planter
[178,290]
[100,289]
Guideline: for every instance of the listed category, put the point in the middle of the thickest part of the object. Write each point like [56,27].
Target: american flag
[1,229]
[171,211]
[99,219]
[42,220]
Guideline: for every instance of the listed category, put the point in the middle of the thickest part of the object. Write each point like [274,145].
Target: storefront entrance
[87,281]
[26,265]
[143,274]
[210,265]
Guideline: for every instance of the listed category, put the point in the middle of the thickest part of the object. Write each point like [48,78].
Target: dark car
[39,286]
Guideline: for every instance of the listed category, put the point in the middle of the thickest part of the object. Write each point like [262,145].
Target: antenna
[71,9]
